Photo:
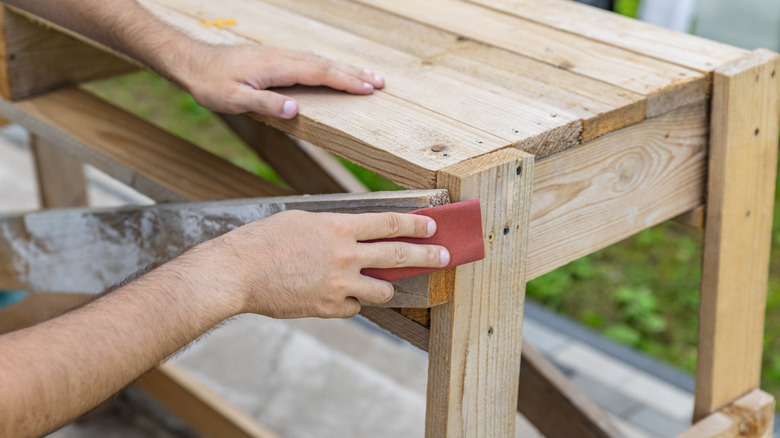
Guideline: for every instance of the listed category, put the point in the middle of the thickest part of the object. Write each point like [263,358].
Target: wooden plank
[61,181]
[666,86]
[152,161]
[200,407]
[737,238]
[35,59]
[693,218]
[603,107]
[396,323]
[750,416]
[682,49]
[615,186]
[475,339]
[529,124]
[90,250]
[306,168]
[546,397]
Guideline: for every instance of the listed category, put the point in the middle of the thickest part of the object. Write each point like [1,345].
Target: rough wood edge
[750,416]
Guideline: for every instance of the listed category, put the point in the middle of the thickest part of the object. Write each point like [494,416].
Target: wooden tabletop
[465,78]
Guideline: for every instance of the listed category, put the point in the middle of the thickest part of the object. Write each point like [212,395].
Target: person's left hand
[233,79]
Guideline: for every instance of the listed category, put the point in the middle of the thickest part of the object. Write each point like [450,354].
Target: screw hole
[445,155]
[490,331]
[519,170]
[506,230]
[516,131]
[491,236]
[480,141]
[757,131]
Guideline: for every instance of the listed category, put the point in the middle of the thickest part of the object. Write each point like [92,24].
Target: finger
[401,254]
[265,102]
[348,309]
[373,291]
[309,69]
[369,226]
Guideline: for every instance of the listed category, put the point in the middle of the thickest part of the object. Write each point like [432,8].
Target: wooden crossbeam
[89,250]
[36,59]
[750,416]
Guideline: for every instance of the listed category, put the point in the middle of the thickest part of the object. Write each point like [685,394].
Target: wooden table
[574,127]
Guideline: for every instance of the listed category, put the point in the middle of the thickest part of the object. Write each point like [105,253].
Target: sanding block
[458,228]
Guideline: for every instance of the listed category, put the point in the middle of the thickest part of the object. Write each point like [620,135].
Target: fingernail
[367,85]
[290,108]
[378,78]
[367,71]
[445,257]
[431,227]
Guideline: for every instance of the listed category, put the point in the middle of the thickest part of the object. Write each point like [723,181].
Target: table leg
[475,339]
[743,160]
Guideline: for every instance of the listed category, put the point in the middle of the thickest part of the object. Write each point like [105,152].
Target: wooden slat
[201,408]
[683,49]
[475,338]
[154,162]
[693,218]
[603,107]
[35,59]
[305,168]
[532,125]
[617,185]
[737,237]
[554,405]
[666,86]
[750,416]
[61,181]
[90,250]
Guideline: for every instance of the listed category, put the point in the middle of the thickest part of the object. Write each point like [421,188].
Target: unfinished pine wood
[302,167]
[475,338]
[152,161]
[750,416]
[737,237]
[554,405]
[90,250]
[666,86]
[201,408]
[61,181]
[693,218]
[531,125]
[603,107]
[683,49]
[35,59]
[617,185]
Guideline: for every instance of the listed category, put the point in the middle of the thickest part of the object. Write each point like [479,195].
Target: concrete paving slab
[545,339]
[605,397]
[661,396]
[594,364]
[658,423]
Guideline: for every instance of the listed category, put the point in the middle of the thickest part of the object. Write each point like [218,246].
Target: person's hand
[298,264]
[233,79]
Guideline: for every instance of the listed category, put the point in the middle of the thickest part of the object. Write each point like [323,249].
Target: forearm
[55,371]
[123,25]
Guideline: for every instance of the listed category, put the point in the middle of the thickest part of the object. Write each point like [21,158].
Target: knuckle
[393,224]
[386,293]
[400,254]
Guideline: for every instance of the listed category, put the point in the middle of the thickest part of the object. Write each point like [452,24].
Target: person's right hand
[298,264]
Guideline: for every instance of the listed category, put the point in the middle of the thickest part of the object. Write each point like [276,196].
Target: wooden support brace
[743,160]
[302,165]
[475,338]
[89,250]
[61,181]
[750,416]
[36,59]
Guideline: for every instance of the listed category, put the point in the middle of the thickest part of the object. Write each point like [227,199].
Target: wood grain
[737,237]
[666,86]
[532,125]
[554,405]
[152,161]
[750,416]
[90,250]
[602,107]
[678,48]
[35,59]
[306,168]
[475,339]
[615,186]
[61,181]
[201,408]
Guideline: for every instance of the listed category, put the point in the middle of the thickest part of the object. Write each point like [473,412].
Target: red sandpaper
[458,228]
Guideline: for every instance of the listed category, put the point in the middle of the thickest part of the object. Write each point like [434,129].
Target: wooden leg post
[475,338]
[61,181]
[743,158]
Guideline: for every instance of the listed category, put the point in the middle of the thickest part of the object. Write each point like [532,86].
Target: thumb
[267,103]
